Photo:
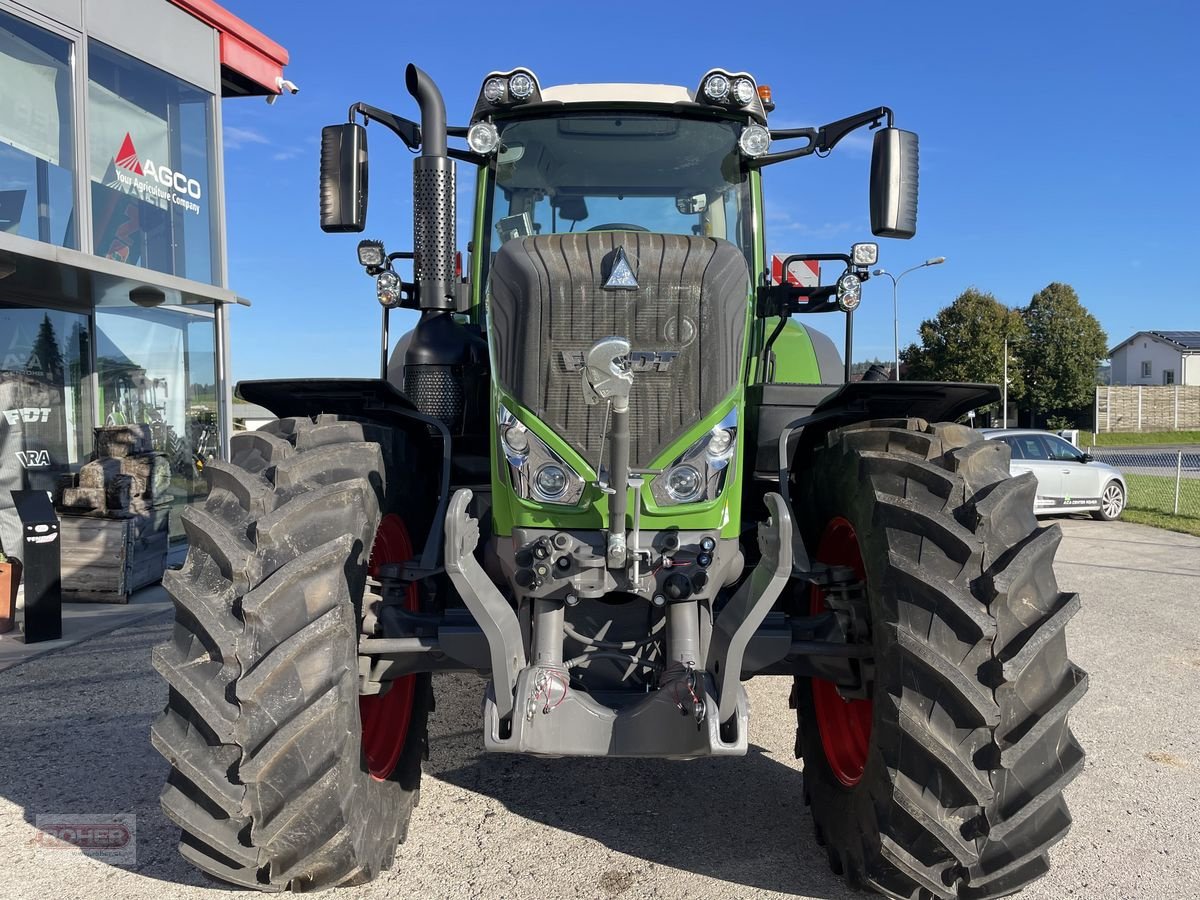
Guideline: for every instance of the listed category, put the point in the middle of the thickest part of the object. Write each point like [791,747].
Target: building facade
[1157,358]
[114,295]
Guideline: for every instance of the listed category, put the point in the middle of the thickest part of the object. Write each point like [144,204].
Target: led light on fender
[865,255]
[550,481]
[387,289]
[720,443]
[493,90]
[716,88]
[520,86]
[849,292]
[755,140]
[684,483]
[743,91]
[483,138]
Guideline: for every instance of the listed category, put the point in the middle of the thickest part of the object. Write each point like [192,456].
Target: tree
[1060,353]
[45,358]
[965,342]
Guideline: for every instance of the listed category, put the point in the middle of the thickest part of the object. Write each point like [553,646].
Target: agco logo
[639,360]
[127,159]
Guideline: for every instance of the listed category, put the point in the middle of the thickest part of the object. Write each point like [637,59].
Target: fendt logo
[639,360]
[179,186]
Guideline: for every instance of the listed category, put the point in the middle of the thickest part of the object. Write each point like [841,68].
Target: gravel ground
[73,739]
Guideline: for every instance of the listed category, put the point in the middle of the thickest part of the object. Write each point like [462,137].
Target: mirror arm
[824,139]
[405,129]
[833,132]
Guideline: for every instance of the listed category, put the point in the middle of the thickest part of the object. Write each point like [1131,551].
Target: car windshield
[620,172]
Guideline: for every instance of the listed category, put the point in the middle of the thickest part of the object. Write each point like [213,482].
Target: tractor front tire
[268,781]
[948,781]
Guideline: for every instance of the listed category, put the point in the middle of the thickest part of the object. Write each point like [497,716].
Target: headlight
[743,91]
[520,86]
[550,482]
[865,255]
[493,90]
[535,471]
[849,291]
[755,140]
[483,138]
[387,289]
[716,88]
[699,473]
[684,483]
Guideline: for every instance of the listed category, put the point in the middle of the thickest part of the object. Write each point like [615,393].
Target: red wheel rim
[386,717]
[844,725]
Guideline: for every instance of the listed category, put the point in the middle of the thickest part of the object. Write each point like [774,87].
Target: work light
[371,254]
[483,138]
[865,254]
[743,91]
[716,87]
[520,86]
[755,140]
[493,90]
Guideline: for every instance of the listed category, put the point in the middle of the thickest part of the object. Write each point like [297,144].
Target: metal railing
[1159,480]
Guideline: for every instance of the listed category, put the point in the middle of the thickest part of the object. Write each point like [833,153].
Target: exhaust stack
[433,199]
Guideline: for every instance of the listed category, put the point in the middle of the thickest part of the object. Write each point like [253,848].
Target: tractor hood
[679,300]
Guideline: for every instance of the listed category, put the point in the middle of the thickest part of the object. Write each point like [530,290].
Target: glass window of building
[45,402]
[37,156]
[157,366]
[150,166]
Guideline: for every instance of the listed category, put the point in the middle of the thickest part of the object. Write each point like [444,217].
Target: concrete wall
[1151,408]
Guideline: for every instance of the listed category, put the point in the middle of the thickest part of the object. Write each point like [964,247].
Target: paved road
[73,730]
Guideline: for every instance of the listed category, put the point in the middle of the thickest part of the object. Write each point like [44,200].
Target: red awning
[251,63]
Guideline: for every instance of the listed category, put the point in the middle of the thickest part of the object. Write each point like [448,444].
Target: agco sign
[179,187]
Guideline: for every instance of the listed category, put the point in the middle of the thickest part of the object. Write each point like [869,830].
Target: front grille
[547,300]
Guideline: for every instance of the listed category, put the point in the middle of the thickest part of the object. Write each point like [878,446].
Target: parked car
[1069,480]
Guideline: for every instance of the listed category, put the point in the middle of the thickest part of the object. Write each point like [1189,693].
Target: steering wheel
[618,226]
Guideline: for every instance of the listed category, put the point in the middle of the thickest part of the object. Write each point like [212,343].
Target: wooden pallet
[107,559]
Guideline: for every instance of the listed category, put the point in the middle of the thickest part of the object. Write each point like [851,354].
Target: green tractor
[610,472]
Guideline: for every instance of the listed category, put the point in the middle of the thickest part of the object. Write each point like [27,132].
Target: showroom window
[150,166]
[157,366]
[45,402]
[37,156]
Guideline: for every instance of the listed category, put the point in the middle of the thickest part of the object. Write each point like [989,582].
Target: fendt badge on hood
[639,360]
[620,277]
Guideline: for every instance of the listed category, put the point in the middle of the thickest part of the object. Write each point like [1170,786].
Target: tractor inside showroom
[609,471]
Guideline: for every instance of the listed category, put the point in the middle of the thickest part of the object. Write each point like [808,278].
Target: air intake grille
[685,322]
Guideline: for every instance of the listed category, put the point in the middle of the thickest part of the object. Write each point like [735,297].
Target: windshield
[620,172]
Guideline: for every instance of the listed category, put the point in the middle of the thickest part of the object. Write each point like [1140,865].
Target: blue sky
[1058,143]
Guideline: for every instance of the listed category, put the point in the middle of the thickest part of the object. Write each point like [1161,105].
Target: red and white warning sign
[801,272]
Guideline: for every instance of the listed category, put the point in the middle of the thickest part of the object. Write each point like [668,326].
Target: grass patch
[1183,524]
[1137,438]
[1152,502]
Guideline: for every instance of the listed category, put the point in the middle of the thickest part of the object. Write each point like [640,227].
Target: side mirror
[894,183]
[1086,458]
[343,177]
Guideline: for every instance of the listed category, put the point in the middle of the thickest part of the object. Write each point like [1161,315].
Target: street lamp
[936,261]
